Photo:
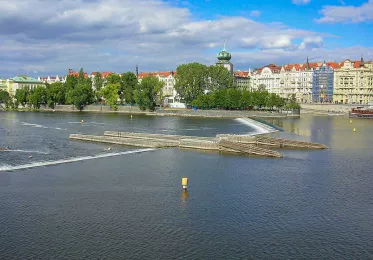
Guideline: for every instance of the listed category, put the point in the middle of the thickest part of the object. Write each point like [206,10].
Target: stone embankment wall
[174,112]
[328,108]
[222,113]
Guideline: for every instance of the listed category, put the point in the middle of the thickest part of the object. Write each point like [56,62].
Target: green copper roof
[23,78]
[224,55]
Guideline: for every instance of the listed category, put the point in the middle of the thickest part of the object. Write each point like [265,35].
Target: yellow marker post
[350,121]
[131,116]
[184,183]
[354,129]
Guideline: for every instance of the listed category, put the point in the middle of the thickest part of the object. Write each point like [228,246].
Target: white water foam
[42,126]
[259,128]
[69,160]
[24,151]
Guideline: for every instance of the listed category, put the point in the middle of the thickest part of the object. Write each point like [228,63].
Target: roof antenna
[224,46]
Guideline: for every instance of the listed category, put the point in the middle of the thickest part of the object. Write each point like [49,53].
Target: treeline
[213,87]
[206,87]
[78,91]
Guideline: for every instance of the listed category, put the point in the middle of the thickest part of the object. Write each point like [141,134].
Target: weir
[243,144]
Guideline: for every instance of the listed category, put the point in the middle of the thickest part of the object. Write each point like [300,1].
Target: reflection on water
[184,195]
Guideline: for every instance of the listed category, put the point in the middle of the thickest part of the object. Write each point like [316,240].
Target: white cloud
[255,13]
[349,14]
[115,35]
[311,43]
[301,2]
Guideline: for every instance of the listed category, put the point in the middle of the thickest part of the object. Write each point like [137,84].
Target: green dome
[224,55]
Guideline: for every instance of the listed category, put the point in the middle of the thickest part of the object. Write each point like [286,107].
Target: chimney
[137,71]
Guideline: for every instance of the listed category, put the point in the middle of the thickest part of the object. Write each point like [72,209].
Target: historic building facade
[353,82]
[322,84]
[22,81]
[3,85]
[51,79]
[267,77]
[243,80]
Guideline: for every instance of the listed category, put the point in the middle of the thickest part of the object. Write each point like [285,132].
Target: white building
[51,80]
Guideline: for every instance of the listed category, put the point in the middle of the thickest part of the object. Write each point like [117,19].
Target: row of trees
[78,91]
[232,98]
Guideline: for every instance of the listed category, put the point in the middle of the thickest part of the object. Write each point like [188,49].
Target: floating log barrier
[248,149]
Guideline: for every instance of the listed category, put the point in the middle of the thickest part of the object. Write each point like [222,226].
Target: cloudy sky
[46,37]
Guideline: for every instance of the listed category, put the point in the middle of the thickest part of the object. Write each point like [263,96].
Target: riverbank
[170,112]
[335,109]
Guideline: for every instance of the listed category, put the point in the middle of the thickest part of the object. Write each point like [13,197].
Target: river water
[76,200]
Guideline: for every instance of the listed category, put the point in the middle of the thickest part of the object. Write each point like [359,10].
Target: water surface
[308,205]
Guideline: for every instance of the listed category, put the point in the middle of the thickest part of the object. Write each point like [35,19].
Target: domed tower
[224,58]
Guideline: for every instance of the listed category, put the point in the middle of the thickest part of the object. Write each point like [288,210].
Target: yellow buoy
[350,121]
[131,116]
[354,129]
[184,183]
[82,121]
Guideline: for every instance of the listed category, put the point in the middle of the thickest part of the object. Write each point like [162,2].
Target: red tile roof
[76,74]
[242,74]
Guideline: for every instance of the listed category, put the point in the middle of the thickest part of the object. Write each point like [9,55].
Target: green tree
[204,101]
[191,81]
[260,98]
[232,98]
[81,96]
[247,99]
[219,78]
[219,98]
[129,82]
[98,82]
[4,97]
[38,97]
[113,79]
[56,94]
[79,90]
[146,92]
[71,82]
[271,100]
[110,93]
[21,96]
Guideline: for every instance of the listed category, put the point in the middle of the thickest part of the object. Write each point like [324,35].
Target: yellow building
[20,82]
[3,85]
[353,82]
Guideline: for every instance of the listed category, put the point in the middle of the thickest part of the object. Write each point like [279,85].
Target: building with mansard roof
[353,82]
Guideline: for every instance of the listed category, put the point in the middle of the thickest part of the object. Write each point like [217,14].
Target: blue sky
[159,35]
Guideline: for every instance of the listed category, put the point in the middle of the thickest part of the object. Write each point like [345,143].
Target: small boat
[361,112]
[4,149]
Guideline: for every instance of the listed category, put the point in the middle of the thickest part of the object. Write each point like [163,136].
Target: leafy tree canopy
[146,92]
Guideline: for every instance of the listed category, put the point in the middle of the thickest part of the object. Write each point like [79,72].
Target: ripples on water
[309,205]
